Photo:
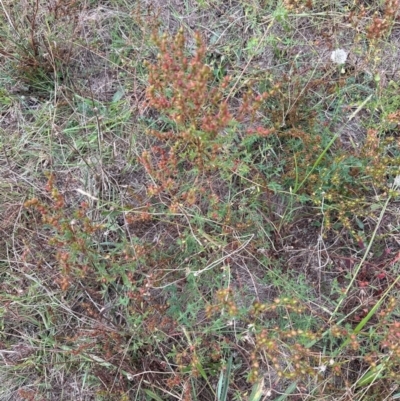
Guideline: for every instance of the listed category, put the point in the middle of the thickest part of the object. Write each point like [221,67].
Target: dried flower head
[339,56]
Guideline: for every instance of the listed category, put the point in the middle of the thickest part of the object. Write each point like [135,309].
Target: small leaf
[118,95]
[152,395]
[375,206]
[274,186]
[202,372]
[360,223]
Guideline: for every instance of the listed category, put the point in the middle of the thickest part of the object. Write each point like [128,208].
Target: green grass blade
[152,395]
[371,376]
[223,382]
[287,393]
[257,391]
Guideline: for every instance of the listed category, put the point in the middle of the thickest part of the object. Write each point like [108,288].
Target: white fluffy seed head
[339,56]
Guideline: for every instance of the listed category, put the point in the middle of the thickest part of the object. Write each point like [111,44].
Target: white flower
[339,56]
[396,182]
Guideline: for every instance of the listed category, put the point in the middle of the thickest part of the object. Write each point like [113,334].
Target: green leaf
[202,372]
[360,223]
[152,395]
[118,95]
[274,186]
[375,206]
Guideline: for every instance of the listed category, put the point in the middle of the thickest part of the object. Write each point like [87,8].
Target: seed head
[339,56]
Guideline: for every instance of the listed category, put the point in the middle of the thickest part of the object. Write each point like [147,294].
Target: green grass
[196,203]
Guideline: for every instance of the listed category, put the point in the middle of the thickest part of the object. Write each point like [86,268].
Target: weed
[33,42]
[210,214]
